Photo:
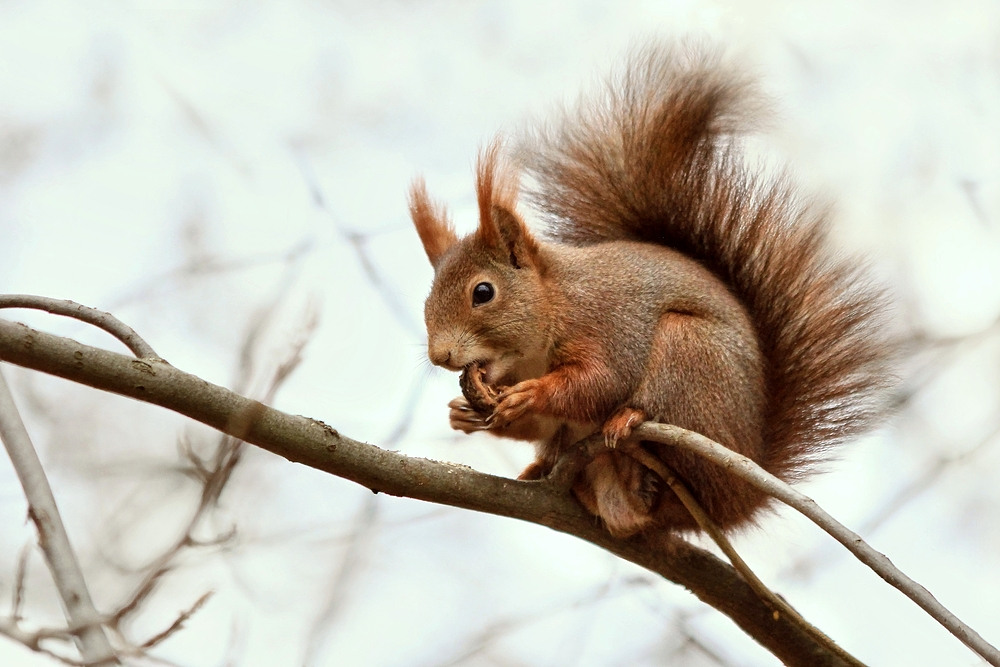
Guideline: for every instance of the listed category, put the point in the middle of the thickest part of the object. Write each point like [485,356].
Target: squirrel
[674,283]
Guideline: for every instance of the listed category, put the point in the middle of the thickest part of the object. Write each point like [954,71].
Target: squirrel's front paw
[515,402]
[463,417]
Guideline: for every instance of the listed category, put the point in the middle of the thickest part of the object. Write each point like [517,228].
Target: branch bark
[310,442]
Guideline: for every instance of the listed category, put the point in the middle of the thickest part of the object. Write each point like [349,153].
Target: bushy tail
[655,159]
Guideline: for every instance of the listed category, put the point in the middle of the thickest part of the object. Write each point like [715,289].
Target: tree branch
[777,603]
[59,555]
[877,561]
[319,446]
[77,311]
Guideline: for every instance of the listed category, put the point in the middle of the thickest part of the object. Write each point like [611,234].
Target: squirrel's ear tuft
[431,221]
[513,238]
[500,226]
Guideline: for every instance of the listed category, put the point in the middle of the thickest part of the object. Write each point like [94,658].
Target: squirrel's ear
[500,227]
[509,234]
[431,221]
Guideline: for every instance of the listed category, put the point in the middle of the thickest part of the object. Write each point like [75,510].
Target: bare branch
[177,624]
[877,561]
[340,583]
[712,530]
[98,318]
[32,640]
[19,578]
[59,555]
[213,473]
[358,242]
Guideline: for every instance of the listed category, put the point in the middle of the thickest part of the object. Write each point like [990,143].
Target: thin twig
[177,624]
[98,318]
[358,241]
[59,555]
[215,471]
[770,598]
[340,584]
[19,579]
[32,640]
[877,561]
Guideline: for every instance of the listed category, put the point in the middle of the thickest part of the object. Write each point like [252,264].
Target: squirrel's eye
[482,293]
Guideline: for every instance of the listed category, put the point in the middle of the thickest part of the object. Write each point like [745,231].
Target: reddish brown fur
[664,171]
[431,221]
[496,187]
[682,288]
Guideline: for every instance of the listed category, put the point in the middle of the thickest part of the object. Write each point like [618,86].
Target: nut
[480,396]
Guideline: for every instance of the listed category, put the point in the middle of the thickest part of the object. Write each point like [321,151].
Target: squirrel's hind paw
[619,425]
[536,470]
[619,490]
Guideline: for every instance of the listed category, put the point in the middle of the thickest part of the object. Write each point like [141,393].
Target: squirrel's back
[655,159]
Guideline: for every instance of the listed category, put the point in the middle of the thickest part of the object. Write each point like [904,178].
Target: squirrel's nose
[441,356]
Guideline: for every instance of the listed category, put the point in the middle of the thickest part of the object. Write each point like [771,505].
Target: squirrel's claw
[461,404]
[463,417]
[514,403]
[619,425]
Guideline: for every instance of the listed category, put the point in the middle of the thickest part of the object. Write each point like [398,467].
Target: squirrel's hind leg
[620,491]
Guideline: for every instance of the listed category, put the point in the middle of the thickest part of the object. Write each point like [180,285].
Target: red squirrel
[674,283]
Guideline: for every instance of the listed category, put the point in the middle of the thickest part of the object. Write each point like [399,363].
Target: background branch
[59,555]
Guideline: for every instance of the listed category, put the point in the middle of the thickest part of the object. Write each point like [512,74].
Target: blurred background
[229,178]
